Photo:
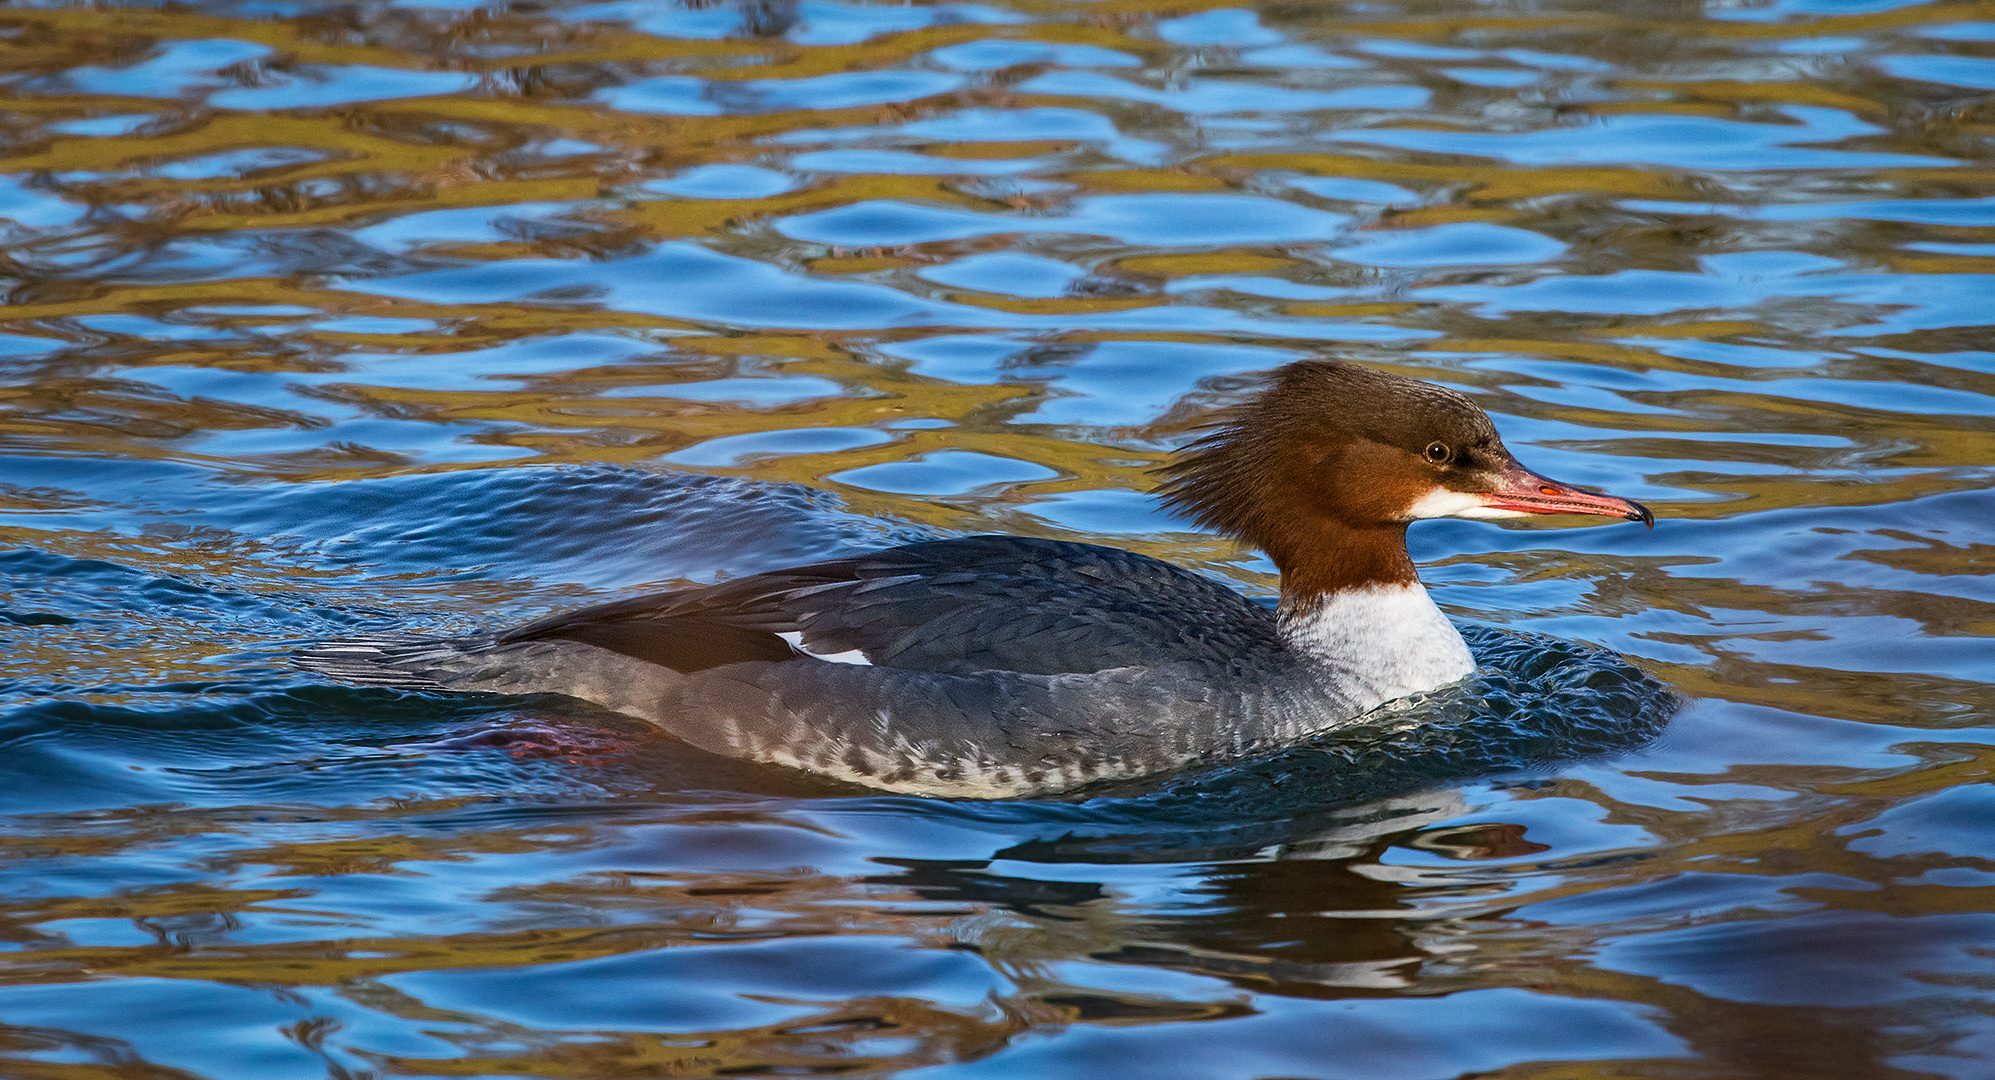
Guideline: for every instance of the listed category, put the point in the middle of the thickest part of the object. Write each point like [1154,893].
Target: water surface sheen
[324,317]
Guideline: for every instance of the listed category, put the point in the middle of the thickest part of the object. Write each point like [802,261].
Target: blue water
[325,318]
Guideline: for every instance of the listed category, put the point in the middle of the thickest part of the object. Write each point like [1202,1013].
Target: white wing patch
[850,656]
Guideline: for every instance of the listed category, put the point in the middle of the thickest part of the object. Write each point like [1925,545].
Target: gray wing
[979,603]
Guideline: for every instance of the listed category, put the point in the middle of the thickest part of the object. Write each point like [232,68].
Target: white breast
[1381,641]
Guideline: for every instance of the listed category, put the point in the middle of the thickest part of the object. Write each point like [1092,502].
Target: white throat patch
[1441,502]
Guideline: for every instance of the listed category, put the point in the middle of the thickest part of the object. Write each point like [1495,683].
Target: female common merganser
[994,666]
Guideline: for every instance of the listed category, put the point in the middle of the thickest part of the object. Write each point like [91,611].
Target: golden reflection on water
[194,258]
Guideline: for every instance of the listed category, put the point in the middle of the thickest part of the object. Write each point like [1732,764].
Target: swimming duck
[998,666]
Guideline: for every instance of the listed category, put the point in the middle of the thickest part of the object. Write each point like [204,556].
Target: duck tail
[404,661]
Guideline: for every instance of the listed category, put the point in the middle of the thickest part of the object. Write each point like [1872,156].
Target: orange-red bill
[1526,492]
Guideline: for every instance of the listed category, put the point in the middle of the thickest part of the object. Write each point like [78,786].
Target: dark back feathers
[978,603]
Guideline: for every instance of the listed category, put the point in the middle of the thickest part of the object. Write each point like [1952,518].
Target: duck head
[1326,467]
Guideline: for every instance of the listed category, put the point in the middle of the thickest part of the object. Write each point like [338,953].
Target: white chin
[1441,503]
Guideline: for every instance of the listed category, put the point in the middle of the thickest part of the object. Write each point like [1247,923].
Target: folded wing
[979,603]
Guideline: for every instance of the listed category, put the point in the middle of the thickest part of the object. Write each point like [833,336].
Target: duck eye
[1438,453]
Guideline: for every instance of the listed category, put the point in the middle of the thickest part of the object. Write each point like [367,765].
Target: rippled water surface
[325,317]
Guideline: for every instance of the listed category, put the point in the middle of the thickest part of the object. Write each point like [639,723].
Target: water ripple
[327,317]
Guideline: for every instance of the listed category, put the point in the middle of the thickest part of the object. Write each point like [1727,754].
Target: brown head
[1328,465]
